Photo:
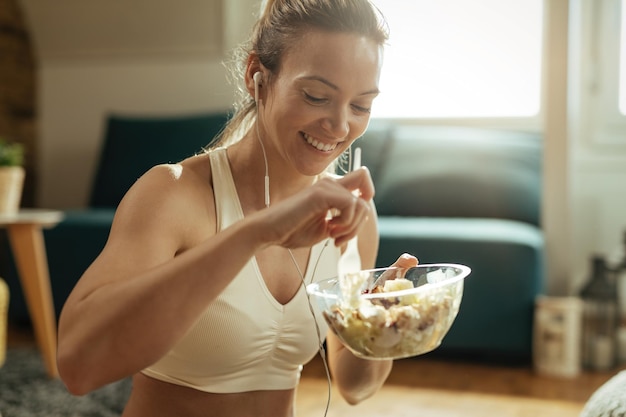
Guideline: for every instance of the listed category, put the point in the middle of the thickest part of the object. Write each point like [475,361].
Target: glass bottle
[600,315]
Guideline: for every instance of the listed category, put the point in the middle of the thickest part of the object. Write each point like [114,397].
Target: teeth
[319,145]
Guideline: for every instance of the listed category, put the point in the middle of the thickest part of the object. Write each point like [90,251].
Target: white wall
[147,57]
[75,100]
[164,56]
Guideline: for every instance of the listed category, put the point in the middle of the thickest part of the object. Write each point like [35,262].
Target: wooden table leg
[32,264]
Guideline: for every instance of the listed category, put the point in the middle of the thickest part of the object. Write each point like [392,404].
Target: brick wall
[18,89]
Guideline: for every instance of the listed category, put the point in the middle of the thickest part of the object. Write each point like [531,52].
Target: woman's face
[320,100]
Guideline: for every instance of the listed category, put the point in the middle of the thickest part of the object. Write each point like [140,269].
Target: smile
[324,147]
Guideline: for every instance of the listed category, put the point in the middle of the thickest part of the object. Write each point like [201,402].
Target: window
[602,75]
[460,59]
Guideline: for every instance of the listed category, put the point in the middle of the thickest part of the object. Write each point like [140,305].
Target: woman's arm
[157,272]
[148,285]
[358,379]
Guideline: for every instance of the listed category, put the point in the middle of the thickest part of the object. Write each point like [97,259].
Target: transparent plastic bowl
[399,322]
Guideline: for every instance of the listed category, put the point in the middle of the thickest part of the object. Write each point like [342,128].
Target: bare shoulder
[173,200]
[167,211]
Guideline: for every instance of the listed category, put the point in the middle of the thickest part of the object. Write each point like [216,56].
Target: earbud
[257,82]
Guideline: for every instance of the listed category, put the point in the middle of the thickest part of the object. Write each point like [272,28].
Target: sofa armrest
[73,245]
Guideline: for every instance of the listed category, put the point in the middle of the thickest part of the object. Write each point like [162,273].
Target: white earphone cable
[321,349]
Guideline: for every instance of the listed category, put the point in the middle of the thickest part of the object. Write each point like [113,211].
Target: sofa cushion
[132,145]
[445,171]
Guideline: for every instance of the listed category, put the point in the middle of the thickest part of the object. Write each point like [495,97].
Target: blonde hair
[281,24]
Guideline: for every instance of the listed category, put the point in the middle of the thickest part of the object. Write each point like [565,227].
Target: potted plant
[11,175]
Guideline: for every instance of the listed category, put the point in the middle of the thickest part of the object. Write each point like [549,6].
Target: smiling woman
[199,292]
[318,97]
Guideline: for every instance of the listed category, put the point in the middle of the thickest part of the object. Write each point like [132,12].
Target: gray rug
[26,391]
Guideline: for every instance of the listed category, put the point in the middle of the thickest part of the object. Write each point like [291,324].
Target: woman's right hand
[303,219]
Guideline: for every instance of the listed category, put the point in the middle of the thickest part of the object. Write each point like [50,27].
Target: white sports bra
[246,340]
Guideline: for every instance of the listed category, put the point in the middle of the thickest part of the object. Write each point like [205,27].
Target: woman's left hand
[404,262]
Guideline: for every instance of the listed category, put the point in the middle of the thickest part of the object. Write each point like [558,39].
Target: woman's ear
[254,77]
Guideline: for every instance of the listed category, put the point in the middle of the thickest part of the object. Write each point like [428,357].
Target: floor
[431,386]
[431,372]
[420,402]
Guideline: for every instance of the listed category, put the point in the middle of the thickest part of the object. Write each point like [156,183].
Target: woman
[199,291]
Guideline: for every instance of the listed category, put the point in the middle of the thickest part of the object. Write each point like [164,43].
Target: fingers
[303,218]
[346,224]
[406,261]
[360,181]
[351,204]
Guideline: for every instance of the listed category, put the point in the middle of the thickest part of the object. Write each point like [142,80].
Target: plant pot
[11,186]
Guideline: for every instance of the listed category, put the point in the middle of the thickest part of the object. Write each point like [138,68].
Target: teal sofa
[444,194]
[469,196]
